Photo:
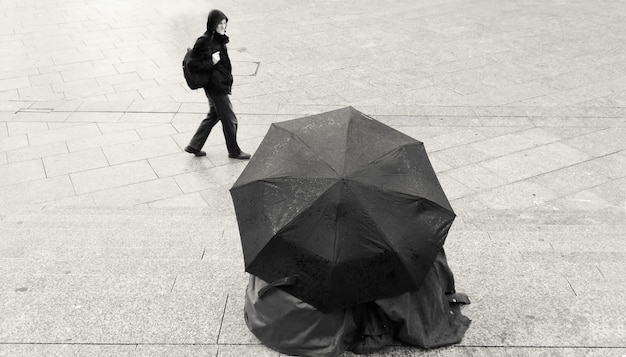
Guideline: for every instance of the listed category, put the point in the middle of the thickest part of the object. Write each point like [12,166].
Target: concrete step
[141,215]
[176,276]
[542,215]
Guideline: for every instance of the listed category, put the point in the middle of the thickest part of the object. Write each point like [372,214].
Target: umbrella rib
[364,207]
[408,195]
[382,155]
[321,159]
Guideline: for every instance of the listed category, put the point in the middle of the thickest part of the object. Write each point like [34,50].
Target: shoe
[196,152]
[242,156]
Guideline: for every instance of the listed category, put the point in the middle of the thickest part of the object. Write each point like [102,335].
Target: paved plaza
[115,242]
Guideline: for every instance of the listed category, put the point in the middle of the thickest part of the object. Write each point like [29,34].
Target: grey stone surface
[63,134]
[21,172]
[209,350]
[36,191]
[66,350]
[140,150]
[113,241]
[36,152]
[112,176]
[74,162]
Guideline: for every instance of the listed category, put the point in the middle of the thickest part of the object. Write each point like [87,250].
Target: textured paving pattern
[113,241]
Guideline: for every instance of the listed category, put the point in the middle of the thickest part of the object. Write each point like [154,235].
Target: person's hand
[216,57]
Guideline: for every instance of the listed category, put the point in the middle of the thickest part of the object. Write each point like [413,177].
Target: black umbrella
[339,209]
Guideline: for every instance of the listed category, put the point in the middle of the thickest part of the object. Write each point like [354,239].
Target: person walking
[209,54]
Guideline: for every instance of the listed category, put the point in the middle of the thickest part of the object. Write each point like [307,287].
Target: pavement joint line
[544,173]
[459,346]
[219,332]
[600,271]
[513,132]
[73,187]
[570,286]
[574,347]
[173,284]
[115,344]
[418,115]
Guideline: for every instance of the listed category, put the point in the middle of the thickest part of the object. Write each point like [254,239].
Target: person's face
[221,27]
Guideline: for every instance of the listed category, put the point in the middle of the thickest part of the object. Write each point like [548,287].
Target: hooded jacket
[221,79]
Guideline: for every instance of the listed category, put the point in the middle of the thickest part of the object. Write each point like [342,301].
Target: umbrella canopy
[346,208]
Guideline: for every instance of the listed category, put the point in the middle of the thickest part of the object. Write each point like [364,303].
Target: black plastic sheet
[427,318]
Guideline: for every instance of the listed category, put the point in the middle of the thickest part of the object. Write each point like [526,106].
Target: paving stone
[64,134]
[461,156]
[135,86]
[156,131]
[53,125]
[36,152]
[21,172]
[572,179]
[97,106]
[36,115]
[19,128]
[438,165]
[94,117]
[140,150]
[209,178]
[155,106]
[190,200]
[234,350]
[74,201]
[502,145]
[604,122]
[234,329]
[74,162]
[516,195]
[468,351]
[565,132]
[455,138]
[146,117]
[583,201]
[13,142]
[134,317]
[60,105]
[87,242]
[36,191]
[179,163]
[209,350]
[535,161]
[137,193]
[476,177]
[557,121]
[505,121]
[613,192]
[61,350]
[109,139]
[132,94]
[112,176]
[599,143]
[108,128]
[454,188]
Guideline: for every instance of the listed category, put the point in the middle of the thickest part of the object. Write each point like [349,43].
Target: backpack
[194,79]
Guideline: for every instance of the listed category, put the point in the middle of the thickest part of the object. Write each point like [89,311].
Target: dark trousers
[220,109]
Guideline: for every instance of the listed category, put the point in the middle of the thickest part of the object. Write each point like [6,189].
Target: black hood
[215,17]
